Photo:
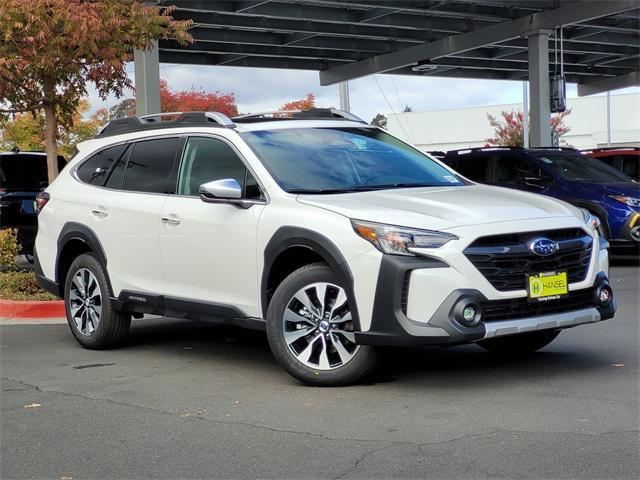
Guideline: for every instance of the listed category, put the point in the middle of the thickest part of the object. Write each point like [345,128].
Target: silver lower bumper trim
[557,320]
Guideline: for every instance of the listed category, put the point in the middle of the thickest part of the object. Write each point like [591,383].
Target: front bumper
[630,231]
[391,326]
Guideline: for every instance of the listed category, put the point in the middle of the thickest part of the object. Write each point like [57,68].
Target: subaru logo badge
[543,247]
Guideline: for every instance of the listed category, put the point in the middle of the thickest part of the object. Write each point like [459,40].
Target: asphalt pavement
[191,400]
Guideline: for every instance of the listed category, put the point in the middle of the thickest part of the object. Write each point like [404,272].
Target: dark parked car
[623,159]
[562,173]
[22,176]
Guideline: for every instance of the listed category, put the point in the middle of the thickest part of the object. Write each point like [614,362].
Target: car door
[125,212]
[209,249]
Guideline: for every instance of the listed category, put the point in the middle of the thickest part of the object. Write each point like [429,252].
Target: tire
[93,321]
[521,344]
[316,349]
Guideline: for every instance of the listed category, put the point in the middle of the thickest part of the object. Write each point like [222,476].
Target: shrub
[21,286]
[9,247]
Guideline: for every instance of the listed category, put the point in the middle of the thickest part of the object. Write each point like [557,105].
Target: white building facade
[469,127]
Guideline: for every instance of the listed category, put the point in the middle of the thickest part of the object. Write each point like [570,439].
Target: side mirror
[226,190]
[533,182]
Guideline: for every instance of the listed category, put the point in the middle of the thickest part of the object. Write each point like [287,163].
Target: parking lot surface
[192,400]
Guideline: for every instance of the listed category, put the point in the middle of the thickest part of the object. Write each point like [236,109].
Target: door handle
[99,212]
[171,220]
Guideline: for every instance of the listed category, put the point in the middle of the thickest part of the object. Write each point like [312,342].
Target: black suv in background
[562,173]
[22,176]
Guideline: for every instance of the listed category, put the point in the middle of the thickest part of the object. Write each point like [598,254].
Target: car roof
[176,120]
[610,151]
[23,153]
[27,154]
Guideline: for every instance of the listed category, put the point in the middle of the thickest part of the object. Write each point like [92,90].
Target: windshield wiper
[313,191]
[361,188]
[358,188]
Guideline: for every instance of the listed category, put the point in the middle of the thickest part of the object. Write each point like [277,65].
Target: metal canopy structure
[448,38]
[348,39]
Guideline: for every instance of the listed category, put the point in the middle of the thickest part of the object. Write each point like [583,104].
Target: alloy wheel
[85,301]
[318,327]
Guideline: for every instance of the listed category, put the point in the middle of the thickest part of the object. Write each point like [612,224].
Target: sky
[259,89]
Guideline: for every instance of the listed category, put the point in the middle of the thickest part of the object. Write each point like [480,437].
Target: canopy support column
[147,80]
[540,110]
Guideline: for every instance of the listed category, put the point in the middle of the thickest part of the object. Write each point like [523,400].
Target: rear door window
[101,166]
[150,166]
[473,167]
[609,160]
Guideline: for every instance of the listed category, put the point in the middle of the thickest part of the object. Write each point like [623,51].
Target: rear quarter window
[98,169]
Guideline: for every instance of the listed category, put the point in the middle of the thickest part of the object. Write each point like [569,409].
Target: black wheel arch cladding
[287,237]
[73,231]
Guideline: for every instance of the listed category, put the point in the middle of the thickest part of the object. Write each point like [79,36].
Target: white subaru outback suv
[330,234]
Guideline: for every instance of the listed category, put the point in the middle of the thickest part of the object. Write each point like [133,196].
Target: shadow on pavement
[205,342]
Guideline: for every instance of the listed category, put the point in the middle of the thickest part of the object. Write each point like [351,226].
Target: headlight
[398,240]
[590,220]
[632,202]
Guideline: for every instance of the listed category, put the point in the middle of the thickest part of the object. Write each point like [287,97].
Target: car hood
[440,208]
[631,189]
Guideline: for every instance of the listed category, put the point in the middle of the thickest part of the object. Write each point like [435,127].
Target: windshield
[338,160]
[581,168]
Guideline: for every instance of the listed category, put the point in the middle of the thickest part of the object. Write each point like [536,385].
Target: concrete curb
[18,309]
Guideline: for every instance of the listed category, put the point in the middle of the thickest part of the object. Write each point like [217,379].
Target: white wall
[469,127]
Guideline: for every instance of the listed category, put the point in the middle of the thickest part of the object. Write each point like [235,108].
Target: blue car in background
[562,173]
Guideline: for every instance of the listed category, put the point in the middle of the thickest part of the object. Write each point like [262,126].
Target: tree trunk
[51,130]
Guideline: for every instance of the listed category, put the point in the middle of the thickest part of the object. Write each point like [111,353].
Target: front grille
[404,299]
[504,260]
[516,308]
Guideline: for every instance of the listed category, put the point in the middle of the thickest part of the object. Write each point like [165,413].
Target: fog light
[605,295]
[469,313]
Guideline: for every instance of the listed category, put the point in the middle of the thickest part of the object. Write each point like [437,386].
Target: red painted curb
[31,309]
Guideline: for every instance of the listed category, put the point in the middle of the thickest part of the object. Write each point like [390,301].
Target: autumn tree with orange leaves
[304,104]
[51,49]
[192,100]
[196,100]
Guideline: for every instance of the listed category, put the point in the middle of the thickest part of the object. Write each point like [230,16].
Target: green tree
[123,109]
[51,49]
[379,120]
[26,131]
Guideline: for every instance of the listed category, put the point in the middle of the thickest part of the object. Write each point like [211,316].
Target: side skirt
[137,302]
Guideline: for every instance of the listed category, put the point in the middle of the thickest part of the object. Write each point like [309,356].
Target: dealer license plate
[545,286]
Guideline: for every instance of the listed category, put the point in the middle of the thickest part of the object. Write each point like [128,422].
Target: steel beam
[545,20]
[147,79]
[607,84]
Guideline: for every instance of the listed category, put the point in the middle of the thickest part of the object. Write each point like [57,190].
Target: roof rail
[310,114]
[463,151]
[155,121]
